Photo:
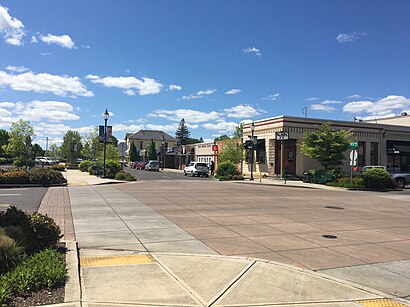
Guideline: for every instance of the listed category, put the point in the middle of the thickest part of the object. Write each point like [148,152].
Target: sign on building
[282,136]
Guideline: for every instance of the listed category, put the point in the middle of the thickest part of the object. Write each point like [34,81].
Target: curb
[284,185]
[30,185]
[72,290]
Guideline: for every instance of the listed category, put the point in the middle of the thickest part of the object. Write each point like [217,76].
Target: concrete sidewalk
[130,255]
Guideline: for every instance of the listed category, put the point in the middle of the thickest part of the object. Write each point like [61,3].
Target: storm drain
[334,207]
[116,260]
[329,236]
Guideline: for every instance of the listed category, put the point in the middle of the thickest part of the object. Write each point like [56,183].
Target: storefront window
[261,153]
[361,154]
[374,153]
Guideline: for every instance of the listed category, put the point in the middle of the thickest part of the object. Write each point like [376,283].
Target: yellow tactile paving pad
[383,302]
[116,260]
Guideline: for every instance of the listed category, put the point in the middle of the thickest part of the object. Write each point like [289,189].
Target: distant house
[143,138]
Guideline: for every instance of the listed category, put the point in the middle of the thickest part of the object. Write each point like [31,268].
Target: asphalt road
[27,199]
[165,174]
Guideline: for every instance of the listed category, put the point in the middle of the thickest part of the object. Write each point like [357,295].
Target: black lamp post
[106,115]
[252,129]
[163,151]
[73,150]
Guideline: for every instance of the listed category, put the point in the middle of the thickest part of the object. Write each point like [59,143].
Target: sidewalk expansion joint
[382,302]
[116,260]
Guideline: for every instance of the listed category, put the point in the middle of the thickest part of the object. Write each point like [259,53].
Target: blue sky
[215,63]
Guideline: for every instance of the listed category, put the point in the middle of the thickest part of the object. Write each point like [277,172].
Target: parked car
[367,167]
[152,165]
[51,161]
[196,169]
[41,161]
[140,165]
[393,168]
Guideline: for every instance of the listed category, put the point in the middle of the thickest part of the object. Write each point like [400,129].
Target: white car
[196,169]
[152,165]
[41,161]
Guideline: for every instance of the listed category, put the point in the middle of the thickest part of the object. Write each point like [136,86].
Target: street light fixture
[106,115]
[253,144]
[163,151]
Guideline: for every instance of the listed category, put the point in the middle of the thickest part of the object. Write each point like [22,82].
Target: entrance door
[290,156]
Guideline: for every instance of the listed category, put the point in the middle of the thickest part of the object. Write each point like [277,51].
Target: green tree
[222,137]
[192,141]
[54,151]
[152,152]
[111,154]
[133,152]
[238,134]
[72,146]
[4,140]
[232,150]
[326,145]
[182,133]
[19,146]
[37,151]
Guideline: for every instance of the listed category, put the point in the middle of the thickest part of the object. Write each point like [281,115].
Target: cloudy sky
[214,63]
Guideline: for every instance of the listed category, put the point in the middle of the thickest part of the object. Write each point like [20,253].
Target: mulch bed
[39,298]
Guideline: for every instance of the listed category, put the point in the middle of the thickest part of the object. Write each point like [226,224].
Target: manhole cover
[329,237]
[334,207]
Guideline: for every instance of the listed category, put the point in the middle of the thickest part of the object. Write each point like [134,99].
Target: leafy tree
[37,151]
[114,141]
[19,146]
[238,134]
[133,152]
[221,138]
[152,152]
[182,133]
[232,150]
[326,145]
[201,140]
[111,154]
[4,140]
[54,150]
[192,141]
[71,140]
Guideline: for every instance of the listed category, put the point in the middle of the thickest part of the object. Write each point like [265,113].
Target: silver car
[152,165]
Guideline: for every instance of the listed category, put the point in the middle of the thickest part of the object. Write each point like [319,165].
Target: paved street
[27,199]
[166,174]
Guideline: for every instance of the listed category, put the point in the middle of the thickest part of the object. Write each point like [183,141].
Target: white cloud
[241,111]
[146,86]
[172,127]
[253,50]
[206,92]
[272,97]
[312,99]
[7,104]
[4,112]
[347,38]
[17,69]
[328,101]
[43,82]
[45,53]
[126,128]
[190,97]
[233,91]
[174,87]
[190,116]
[61,40]
[222,127]
[11,28]
[381,107]
[34,40]
[354,96]
[44,129]
[6,121]
[322,107]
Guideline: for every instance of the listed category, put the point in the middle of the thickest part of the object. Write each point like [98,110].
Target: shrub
[23,161]
[238,177]
[58,167]
[84,165]
[46,176]
[6,160]
[11,254]
[377,179]
[18,177]
[46,231]
[344,182]
[45,269]
[227,168]
[112,168]
[124,176]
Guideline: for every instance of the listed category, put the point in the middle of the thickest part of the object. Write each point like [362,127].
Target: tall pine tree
[182,134]
[133,152]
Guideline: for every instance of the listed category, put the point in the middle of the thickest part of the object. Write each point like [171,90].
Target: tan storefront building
[378,144]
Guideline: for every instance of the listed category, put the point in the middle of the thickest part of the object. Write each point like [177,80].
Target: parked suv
[152,165]
[196,168]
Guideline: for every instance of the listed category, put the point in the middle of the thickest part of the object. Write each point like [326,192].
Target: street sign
[122,147]
[353,145]
[254,140]
[282,136]
[353,157]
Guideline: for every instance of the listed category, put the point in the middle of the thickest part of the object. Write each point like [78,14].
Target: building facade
[378,144]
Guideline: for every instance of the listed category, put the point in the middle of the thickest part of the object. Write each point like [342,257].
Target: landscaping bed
[37,176]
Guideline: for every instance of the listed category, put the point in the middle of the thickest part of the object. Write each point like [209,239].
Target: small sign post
[353,163]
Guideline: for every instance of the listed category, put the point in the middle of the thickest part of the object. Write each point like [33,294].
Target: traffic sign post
[353,163]
[282,136]
[354,145]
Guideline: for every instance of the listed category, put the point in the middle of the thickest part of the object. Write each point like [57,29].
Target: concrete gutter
[72,291]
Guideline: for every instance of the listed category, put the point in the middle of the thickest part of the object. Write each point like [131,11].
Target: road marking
[10,194]
[116,260]
[382,302]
